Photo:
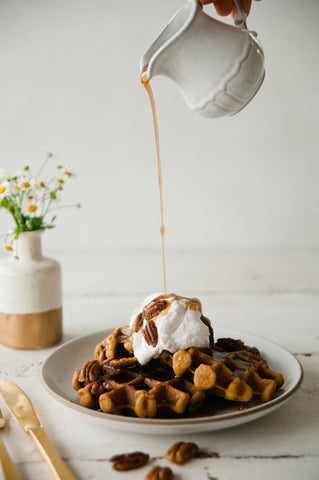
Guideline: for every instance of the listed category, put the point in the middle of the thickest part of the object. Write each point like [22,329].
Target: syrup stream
[147,86]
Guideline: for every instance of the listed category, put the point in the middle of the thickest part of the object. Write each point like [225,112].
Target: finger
[223,7]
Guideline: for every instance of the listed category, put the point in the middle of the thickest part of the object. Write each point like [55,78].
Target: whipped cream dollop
[168,322]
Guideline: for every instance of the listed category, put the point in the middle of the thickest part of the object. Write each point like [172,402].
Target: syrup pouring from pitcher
[237,71]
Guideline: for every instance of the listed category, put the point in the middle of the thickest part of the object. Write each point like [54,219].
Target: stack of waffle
[173,384]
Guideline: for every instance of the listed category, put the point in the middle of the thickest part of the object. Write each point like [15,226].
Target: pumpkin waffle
[117,345]
[134,390]
[176,383]
[236,375]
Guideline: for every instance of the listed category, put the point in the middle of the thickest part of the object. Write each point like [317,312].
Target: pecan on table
[160,473]
[129,461]
[150,333]
[180,452]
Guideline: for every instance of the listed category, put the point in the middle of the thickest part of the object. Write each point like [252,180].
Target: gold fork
[8,469]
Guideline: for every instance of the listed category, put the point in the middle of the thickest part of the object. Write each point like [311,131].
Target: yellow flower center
[30,197]
[8,248]
[32,208]
[16,237]
[59,180]
[69,174]
[42,184]
[2,189]
[25,184]
[17,188]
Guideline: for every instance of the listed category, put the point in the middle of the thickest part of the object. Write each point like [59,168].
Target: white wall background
[69,82]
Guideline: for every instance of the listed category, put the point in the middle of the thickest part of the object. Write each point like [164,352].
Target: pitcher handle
[240,15]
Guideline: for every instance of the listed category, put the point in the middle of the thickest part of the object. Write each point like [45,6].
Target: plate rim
[160,422]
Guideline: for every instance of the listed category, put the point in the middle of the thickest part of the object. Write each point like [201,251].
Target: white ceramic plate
[57,372]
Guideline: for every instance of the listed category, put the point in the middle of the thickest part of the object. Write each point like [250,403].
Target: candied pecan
[180,452]
[128,461]
[96,389]
[124,362]
[232,345]
[154,308]
[150,333]
[90,372]
[160,473]
[137,324]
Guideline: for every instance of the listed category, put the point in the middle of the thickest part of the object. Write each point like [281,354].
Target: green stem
[75,205]
[49,155]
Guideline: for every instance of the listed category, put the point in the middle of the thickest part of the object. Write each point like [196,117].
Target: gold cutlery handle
[8,469]
[58,467]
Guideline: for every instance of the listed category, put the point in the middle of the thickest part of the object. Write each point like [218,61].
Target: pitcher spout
[159,58]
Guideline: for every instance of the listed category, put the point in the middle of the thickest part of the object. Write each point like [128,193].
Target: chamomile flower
[5,188]
[66,172]
[26,182]
[30,208]
[31,200]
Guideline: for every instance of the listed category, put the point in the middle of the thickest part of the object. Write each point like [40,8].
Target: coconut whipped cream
[168,322]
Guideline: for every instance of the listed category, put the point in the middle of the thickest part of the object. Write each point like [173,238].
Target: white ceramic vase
[30,296]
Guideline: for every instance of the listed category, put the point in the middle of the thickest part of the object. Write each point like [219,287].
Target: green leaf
[4,202]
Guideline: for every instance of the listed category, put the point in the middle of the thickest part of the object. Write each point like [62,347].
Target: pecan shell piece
[180,452]
[129,461]
[160,473]
[150,333]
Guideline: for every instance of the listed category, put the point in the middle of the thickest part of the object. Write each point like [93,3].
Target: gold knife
[24,412]
[9,471]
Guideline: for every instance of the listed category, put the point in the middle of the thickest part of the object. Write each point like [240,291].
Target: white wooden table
[268,293]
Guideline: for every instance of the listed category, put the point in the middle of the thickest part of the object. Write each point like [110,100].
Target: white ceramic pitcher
[218,68]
